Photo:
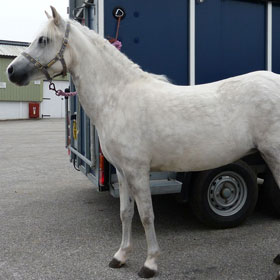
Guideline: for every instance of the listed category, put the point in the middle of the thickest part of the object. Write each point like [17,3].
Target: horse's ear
[48,15]
[56,16]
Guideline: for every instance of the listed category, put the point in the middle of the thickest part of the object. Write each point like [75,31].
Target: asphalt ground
[55,225]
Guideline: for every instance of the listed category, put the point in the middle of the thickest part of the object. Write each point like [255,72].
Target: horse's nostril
[10,69]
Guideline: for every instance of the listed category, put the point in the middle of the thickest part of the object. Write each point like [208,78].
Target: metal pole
[269,37]
[66,122]
[80,156]
[71,8]
[72,100]
[79,130]
[100,13]
[192,42]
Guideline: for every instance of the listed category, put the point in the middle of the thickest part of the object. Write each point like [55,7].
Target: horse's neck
[99,71]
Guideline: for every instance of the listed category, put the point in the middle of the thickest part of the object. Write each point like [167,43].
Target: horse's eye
[43,40]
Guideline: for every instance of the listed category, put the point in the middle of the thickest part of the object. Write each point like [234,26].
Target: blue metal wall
[154,35]
[276,38]
[230,39]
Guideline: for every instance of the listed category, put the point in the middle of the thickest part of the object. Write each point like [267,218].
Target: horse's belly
[197,159]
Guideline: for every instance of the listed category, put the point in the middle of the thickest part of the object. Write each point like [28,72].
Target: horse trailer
[191,42]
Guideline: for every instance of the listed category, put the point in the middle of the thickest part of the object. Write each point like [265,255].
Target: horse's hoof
[146,272]
[278,278]
[114,263]
[277,259]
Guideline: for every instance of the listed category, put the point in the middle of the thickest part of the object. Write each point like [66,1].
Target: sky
[21,20]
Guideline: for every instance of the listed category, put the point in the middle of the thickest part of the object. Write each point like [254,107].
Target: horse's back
[214,124]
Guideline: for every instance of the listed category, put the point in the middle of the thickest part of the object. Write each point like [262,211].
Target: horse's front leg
[126,214]
[140,186]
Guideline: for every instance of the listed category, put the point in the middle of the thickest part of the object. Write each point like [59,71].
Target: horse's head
[46,57]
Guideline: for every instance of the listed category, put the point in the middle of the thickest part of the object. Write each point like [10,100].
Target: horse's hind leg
[271,155]
[126,214]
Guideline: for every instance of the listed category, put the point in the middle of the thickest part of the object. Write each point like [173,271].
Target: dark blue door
[276,38]
[230,38]
[154,34]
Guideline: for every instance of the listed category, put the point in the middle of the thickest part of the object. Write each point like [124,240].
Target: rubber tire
[200,205]
[270,194]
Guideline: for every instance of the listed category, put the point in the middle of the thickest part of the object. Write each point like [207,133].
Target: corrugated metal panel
[10,50]
[11,92]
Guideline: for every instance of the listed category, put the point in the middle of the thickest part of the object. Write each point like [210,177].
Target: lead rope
[118,28]
[114,41]
[60,92]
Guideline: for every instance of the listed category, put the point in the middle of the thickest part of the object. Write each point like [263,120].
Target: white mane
[102,43]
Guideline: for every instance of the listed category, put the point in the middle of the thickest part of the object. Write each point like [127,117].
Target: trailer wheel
[270,193]
[224,197]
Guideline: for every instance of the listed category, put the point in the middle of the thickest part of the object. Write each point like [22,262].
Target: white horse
[146,123]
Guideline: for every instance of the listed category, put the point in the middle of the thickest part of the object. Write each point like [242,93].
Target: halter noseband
[58,57]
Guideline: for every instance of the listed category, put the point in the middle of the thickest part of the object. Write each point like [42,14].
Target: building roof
[12,48]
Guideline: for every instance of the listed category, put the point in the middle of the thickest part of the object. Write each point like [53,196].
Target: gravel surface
[55,225]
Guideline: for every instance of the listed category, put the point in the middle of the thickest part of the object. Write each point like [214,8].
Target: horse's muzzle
[18,76]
